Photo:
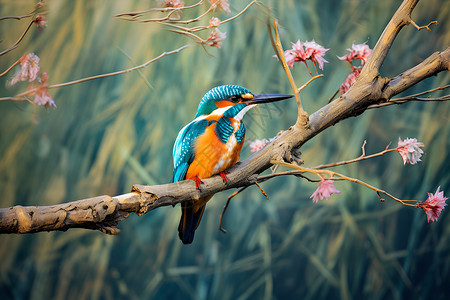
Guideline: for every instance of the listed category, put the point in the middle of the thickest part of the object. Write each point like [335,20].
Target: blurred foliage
[110,133]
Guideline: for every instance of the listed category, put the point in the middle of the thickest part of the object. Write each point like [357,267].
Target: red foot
[224,176]
[197,181]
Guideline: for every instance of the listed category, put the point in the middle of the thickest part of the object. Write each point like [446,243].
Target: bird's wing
[183,149]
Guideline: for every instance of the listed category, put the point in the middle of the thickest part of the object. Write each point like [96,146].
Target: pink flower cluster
[41,22]
[40,93]
[214,22]
[301,52]
[173,3]
[349,80]
[29,64]
[410,150]
[324,190]
[257,145]
[359,51]
[215,38]
[434,205]
[223,4]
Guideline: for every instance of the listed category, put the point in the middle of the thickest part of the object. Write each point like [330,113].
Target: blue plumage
[240,133]
[234,110]
[224,129]
[183,149]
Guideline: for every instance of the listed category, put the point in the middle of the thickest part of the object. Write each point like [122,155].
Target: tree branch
[104,212]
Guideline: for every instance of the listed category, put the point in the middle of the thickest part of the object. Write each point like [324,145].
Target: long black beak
[267,98]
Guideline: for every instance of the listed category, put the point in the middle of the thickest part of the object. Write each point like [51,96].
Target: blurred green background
[109,134]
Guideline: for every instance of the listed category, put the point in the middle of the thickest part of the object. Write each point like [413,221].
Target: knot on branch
[106,215]
[282,152]
[23,219]
[146,198]
[302,120]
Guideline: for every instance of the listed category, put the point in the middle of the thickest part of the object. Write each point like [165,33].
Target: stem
[9,69]
[24,16]
[286,68]
[362,157]
[334,95]
[18,41]
[162,9]
[118,72]
[309,81]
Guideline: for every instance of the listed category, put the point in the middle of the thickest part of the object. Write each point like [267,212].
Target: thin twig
[240,13]
[167,19]
[334,95]
[294,173]
[426,92]
[160,9]
[262,190]
[38,5]
[18,41]
[9,69]
[139,71]
[16,17]
[17,98]
[200,28]
[199,39]
[422,27]
[119,72]
[362,157]
[309,81]
[408,99]
[286,67]
[226,206]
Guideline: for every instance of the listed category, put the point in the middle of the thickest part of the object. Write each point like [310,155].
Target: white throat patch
[241,114]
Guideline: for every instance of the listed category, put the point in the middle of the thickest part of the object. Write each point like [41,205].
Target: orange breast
[212,156]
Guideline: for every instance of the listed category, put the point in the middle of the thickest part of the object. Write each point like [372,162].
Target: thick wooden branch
[401,18]
[104,212]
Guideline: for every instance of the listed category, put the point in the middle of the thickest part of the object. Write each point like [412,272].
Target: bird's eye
[235,98]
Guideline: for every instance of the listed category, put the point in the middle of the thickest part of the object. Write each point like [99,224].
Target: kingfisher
[211,144]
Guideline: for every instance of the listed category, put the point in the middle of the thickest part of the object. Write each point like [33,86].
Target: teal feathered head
[222,96]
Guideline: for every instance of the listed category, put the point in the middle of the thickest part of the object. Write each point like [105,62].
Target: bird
[211,144]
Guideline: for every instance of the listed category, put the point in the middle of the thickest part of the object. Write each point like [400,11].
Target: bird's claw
[197,181]
[224,176]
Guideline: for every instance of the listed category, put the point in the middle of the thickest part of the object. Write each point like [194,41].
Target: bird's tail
[191,215]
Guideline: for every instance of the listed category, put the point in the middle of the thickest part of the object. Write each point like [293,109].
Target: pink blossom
[359,51]
[41,22]
[173,3]
[223,4]
[409,150]
[40,4]
[214,22]
[297,53]
[215,38]
[349,80]
[29,64]
[434,205]
[40,93]
[315,53]
[324,190]
[304,51]
[257,145]
[290,58]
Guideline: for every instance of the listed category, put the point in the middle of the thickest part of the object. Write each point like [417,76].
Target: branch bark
[104,212]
